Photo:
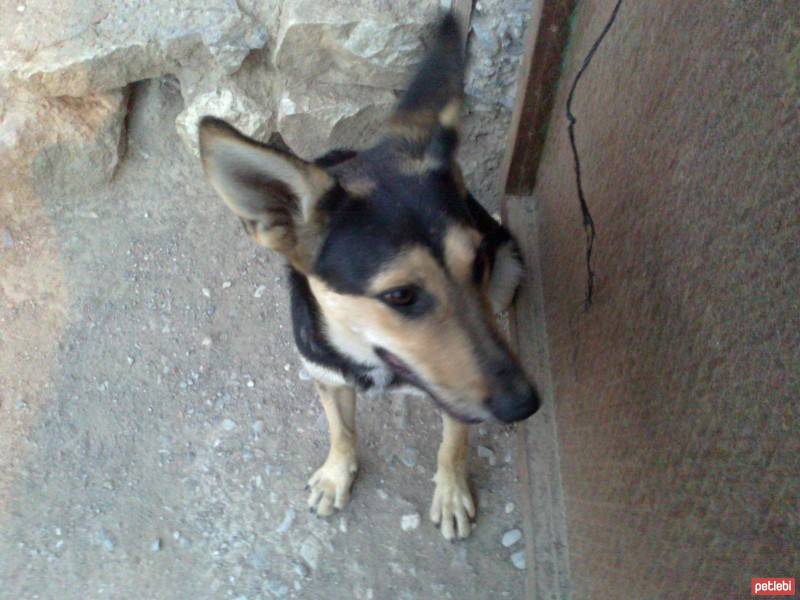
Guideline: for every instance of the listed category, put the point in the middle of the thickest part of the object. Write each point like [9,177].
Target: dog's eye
[402,296]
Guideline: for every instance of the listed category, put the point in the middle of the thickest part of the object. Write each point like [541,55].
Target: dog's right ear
[274,193]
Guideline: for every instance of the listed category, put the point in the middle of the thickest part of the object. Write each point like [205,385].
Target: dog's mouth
[406,374]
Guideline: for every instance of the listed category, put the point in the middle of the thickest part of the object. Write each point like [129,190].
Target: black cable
[588,222]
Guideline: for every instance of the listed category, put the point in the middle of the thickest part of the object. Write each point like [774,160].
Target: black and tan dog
[396,273]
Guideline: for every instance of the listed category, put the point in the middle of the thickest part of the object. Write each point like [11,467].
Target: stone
[7,238]
[90,47]
[409,522]
[511,537]
[288,519]
[107,539]
[409,456]
[364,43]
[60,146]
[277,589]
[487,454]
[314,118]
[310,550]
[518,559]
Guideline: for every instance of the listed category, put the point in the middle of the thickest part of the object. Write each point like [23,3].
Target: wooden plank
[541,501]
[548,31]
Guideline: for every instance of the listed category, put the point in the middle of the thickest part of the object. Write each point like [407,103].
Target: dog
[396,274]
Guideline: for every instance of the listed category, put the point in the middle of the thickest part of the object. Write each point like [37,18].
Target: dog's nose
[509,407]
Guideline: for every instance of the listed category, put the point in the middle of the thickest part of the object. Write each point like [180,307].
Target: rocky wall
[323,74]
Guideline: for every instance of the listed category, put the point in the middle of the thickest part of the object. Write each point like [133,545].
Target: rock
[314,118]
[409,522]
[511,537]
[7,238]
[288,519]
[230,104]
[107,539]
[60,146]
[509,507]
[259,291]
[277,589]
[228,425]
[409,456]
[365,43]
[300,569]
[487,454]
[156,545]
[310,551]
[518,559]
[96,46]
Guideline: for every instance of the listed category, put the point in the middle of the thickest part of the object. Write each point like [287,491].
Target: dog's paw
[453,507]
[330,485]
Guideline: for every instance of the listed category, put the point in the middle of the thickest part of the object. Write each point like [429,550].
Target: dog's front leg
[453,506]
[330,485]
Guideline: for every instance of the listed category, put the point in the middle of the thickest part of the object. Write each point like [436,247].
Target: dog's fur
[396,272]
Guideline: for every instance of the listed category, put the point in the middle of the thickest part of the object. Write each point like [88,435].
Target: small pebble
[206,292]
[409,522]
[383,495]
[509,508]
[511,537]
[518,559]
[287,367]
[228,425]
[226,285]
[259,291]
[108,541]
[156,545]
[277,589]
[488,454]
[310,551]
[304,375]
[409,456]
[206,341]
[288,519]
[258,426]
[300,569]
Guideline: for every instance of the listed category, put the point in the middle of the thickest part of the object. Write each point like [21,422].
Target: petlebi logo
[772,586]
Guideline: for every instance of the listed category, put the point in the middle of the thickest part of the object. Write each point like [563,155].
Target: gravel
[288,519]
[409,456]
[511,537]
[409,522]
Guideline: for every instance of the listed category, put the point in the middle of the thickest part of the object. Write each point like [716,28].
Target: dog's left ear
[274,193]
[426,119]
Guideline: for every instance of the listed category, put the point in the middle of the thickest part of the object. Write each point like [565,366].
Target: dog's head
[387,241]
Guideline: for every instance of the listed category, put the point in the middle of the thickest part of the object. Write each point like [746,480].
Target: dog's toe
[330,484]
[452,506]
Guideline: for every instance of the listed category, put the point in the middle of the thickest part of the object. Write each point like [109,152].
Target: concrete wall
[677,392]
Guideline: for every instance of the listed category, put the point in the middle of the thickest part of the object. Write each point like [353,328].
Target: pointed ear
[427,116]
[274,193]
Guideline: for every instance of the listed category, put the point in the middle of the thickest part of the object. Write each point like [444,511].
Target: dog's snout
[514,404]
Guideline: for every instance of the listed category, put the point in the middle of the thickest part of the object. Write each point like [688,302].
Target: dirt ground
[156,431]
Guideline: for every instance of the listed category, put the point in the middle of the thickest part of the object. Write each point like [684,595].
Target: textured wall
[677,393]
[322,73]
